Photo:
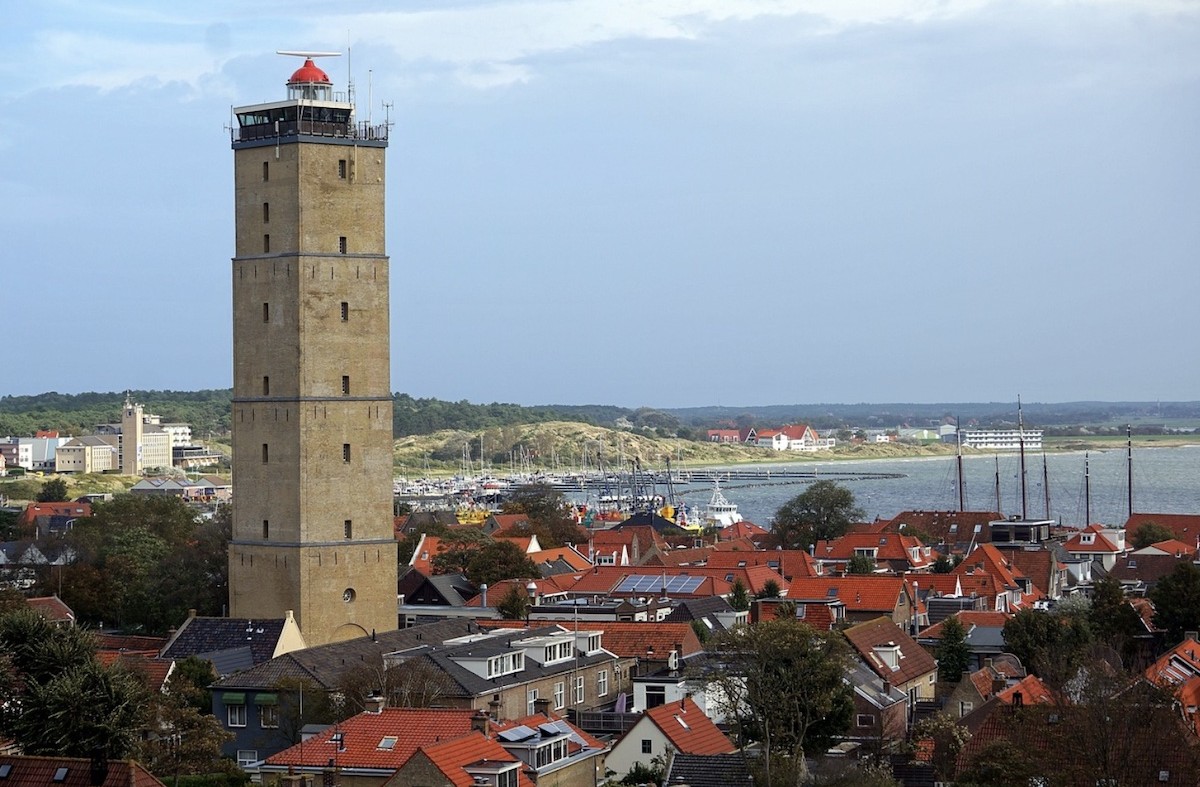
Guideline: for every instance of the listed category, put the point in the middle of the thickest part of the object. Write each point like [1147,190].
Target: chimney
[887,687]
[541,705]
[374,703]
[1192,635]
[483,589]
[481,723]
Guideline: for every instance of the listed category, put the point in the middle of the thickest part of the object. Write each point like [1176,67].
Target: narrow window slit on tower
[342,244]
[267,390]
[346,452]
[266,312]
[266,213]
[266,244]
[348,528]
[345,311]
[345,385]
[266,529]
[266,171]
[265,453]
[342,168]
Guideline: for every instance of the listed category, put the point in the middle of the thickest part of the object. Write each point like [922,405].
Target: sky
[660,203]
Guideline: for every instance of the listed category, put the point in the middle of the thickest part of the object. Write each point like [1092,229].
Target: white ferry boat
[720,512]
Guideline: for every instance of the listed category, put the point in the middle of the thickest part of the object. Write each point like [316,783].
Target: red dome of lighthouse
[309,73]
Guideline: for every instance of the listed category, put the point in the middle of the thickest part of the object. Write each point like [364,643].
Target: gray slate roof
[202,636]
[324,665]
[709,770]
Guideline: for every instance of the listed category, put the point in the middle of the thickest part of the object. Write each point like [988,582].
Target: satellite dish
[300,53]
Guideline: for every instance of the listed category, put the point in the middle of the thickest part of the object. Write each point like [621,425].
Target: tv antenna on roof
[302,53]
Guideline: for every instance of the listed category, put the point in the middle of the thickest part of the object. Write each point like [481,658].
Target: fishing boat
[720,512]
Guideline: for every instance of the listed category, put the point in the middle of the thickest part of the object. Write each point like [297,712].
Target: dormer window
[557,651]
[889,654]
[506,664]
[1087,538]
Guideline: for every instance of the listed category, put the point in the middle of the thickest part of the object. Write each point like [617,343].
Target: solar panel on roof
[518,733]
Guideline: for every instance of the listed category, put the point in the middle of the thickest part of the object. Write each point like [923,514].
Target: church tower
[312,404]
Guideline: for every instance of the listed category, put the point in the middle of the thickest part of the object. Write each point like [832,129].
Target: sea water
[1165,480]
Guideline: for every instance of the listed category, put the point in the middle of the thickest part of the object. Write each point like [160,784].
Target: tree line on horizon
[209,413]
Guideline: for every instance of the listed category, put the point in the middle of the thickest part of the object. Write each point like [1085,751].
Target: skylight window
[60,775]
[388,742]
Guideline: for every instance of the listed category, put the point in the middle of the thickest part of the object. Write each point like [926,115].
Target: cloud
[485,45]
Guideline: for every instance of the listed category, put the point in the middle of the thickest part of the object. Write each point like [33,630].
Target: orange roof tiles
[858,593]
[361,736]
[1031,689]
[1186,527]
[915,661]
[790,563]
[452,757]
[77,772]
[688,729]
[633,639]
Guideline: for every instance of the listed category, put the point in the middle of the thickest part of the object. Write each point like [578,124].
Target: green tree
[953,653]
[186,741]
[784,686]
[143,562]
[1113,618]
[1049,644]
[1000,764]
[947,738]
[461,544]
[942,565]
[514,605]
[770,589]
[497,560]
[60,700]
[823,511]
[549,514]
[739,596]
[84,709]
[53,491]
[860,564]
[1176,599]
[1152,533]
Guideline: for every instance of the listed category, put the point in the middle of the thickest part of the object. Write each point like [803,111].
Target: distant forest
[208,412]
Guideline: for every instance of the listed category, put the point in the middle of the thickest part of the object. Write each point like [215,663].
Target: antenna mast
[962,495]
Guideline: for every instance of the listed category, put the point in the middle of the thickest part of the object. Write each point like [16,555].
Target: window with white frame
[247,757]
[602,683]
[268,716]
[560,695]
[236,715]
[530,698]
[507,778]
[579,690]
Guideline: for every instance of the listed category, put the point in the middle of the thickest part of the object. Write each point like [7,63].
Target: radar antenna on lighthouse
[305,54]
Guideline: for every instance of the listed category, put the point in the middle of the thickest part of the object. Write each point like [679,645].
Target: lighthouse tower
[312,405]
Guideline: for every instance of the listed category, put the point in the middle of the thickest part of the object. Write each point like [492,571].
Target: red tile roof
[790,563]
[1097,543]
[1186,527]
[859,593]
[51,608]
[633,639]
[35,771]
[688,729]
[888,546]
[27,518]
[1031,689]
[915,661]
[362,734]
[453,756]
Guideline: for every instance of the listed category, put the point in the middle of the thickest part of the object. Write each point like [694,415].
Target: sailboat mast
[1021,444]
[1129,464]
[1046,483]
[999,510]
[1087,492]
[962,495]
